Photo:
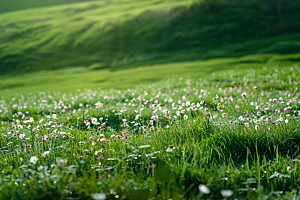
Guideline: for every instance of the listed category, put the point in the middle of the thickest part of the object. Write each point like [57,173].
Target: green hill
[12,5]
[122,34]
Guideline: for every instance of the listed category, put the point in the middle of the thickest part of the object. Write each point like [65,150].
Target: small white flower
[54,116]
[33,160]
[204,189]
[226,193]
[94,120]
[98,196]
[98,103]
[42,168]
[46,153]
[278,175]
[61,161]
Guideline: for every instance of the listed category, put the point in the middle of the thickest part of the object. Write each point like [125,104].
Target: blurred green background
[67,44]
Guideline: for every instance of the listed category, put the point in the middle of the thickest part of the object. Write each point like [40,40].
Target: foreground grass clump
[228,135]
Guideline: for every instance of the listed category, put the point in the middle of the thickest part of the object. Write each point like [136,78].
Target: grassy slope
[12,5]
[47,35]
[217,153]
[70,79]
[123,34]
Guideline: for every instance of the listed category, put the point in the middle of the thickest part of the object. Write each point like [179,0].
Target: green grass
[49,142]
[70,79]
[123,63]
[130,33]
[12,5]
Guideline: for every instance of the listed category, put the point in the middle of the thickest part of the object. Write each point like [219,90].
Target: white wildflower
[204,189]
[226,193]
[33,160]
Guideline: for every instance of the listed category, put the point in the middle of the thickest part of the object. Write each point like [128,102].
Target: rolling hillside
[72,79]
[12,5]
[117,35]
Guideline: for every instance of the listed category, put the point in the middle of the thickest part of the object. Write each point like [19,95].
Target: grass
[184,138]
[105,100]
[91,77]
[13,5]
[125,34]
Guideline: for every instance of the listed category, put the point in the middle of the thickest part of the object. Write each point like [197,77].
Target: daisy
[94,120]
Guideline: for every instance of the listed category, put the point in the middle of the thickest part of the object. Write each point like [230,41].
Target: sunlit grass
[128,34]
[233,133]
[70,79]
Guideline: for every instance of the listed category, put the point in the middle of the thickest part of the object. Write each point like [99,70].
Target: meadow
[228,134]
[71,79]
[136,100]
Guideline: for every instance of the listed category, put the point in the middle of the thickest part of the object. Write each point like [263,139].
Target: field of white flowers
[228,135]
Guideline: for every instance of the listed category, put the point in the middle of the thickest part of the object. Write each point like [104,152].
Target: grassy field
[150,99]
[129,33]
[230,134]
[70,79]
